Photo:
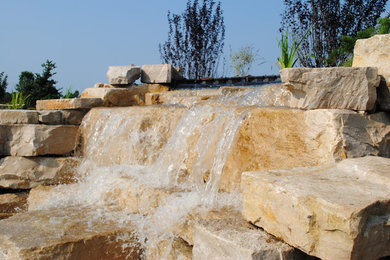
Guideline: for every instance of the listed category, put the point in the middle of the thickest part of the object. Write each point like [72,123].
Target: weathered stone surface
[13,202]
[185,97]
[236,239]
[375,52]
[170,250]
[18,117]
[159,73]
[69,103]
[123,75]
[28,172]
[334,88]
[62,117]
[265,138]
[332,211]
[34,140]
[66,234]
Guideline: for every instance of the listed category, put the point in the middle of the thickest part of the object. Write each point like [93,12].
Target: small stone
[29,172]
[335,211]
[69,103]
[34,140]
[159,73]
[18,117]
[123,75]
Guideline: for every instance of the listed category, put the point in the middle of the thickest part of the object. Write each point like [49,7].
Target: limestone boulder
[18,117]
[66,234]
[332,88]
[69,103]
[29,172]
[62,117]
[159,73]
[235,238]
[331,212]
[34,140]
[375,52]
[13,202]
[123,75]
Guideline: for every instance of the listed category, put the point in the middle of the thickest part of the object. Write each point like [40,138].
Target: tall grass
[18,101]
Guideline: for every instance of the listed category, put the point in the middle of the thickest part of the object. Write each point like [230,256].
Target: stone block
[235,238]
[184,97]
[123,75]
[375,52]
[29,172]
[69,103]
[18,117]
[68,233]
[62,117]
[331,88]
[159,73]
[13,202]
[34,140]
[331,211]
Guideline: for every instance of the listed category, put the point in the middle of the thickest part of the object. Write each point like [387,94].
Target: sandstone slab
[66,234]
[332,88]
[235,238]
[69,103]
[123,75]
[184,97]
[18,117]
[29,172]
[13,202]
[375,52]
[332,212]
[34,140]
[62,117]
[159,73]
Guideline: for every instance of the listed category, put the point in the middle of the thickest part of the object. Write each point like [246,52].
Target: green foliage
[39,86]
[18,101]
[342,56]
[70,94]
[3,87]
[289,47]
[243,60]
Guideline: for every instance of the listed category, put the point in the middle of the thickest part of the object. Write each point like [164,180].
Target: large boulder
[34,140]
[123,75]
[69,103]
[159,73]
[333,88]
[29,172]
[336,211]
[375,52]
[18,117]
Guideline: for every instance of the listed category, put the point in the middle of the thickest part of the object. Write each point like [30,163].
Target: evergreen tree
[195,39]
[3,88]
[39,86]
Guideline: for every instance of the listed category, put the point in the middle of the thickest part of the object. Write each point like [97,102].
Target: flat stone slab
[62,117]
[66,234]
[69,103]
[29,172]
[123,75]
[159,73]
[18,117]
[34,140]
[331,88]
[339,211]
[234,238]
[184,97]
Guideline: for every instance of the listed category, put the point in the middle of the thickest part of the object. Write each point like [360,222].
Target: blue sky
[84,37]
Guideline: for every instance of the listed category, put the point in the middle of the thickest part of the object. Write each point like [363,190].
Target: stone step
[336,211]
[34,140]
[69,103]
[18,117]
[185,97]
[29,172]
[234,238]
[69,233]
[62,117]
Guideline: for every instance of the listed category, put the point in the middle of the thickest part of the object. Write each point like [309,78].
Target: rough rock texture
[18,117]
[375,52]
[159,73]
[185,97]
[177,249]
[69,103]
[236,239]
[123,75]
[66,234]
[29,172]
[334,88]
[34,140]
[62,117]
[332,212]
[13,202]
[264,138]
